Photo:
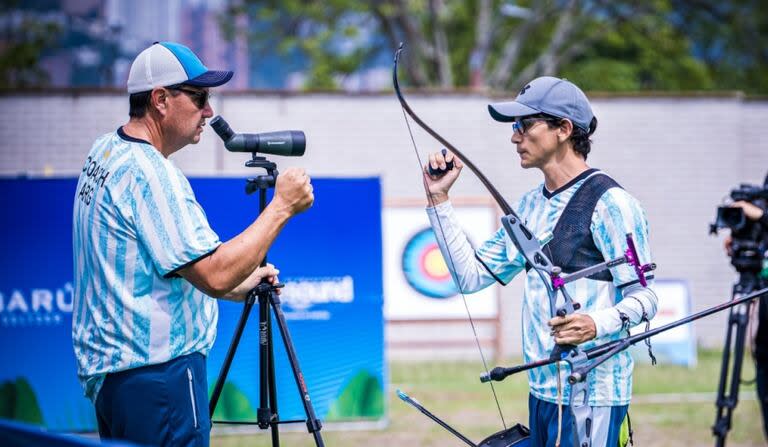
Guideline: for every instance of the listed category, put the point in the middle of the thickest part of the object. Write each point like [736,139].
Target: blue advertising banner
[330,259]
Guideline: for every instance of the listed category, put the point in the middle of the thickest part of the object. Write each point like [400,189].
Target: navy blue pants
[157,405]
[542,418]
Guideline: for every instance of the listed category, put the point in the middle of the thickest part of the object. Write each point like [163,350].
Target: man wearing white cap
[147,263]
[588,216]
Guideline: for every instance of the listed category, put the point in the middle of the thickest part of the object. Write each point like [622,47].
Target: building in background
[96,40]
[91,43]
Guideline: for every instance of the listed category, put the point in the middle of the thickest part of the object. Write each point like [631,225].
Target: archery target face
[417,283]
[424,267]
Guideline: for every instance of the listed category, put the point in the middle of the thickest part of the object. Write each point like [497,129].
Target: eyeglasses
[199,97]
[521,126]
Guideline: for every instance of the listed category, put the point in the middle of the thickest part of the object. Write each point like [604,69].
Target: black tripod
[730,370]
[265,293]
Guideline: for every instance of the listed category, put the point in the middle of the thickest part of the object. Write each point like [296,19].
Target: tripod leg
[742,318]
[313,424]
[221,379]
[267,411]
[271,378]
[728,399]
[720,427]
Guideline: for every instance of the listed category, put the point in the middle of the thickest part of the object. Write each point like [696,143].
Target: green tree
[729,38]
[24,36]
[647,53]
[610,45]
[327,33]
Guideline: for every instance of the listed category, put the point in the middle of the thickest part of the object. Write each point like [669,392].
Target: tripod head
[261,182]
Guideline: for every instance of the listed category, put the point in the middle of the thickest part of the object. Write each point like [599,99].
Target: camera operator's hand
[728,244]
[293,191]
[752,212]
[438,186]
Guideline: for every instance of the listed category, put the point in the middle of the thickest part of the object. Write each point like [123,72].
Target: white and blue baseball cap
[550,95]
[168,63]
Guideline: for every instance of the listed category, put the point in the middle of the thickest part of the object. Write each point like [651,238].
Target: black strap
[572,247]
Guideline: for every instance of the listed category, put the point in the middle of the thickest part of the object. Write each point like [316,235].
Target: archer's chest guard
[572,247]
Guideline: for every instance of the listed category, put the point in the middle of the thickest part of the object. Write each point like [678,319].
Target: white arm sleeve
[469,273]
[636,301]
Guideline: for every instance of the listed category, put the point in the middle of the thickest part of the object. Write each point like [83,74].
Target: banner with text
[330,259]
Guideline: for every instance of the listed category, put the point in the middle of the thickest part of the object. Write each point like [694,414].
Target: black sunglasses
[199,97]
[522,125]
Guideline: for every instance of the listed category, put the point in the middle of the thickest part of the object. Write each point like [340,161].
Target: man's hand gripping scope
[293,191]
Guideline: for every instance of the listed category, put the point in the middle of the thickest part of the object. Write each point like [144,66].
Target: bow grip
[440,172]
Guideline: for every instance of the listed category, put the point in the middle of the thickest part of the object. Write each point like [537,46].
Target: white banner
[676,345]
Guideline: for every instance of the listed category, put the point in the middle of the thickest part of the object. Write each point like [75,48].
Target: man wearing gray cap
[148,265]
[583,216]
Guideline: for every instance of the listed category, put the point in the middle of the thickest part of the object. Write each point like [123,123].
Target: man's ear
[564,131]
[159,100]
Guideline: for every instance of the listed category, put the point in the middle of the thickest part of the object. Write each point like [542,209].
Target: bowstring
[453,268]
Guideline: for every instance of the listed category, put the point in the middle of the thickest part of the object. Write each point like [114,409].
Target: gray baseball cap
[553,96]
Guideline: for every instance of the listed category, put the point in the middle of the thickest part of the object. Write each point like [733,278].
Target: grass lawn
[453,392]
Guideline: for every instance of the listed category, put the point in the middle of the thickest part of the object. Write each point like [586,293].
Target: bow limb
[505,208]
[523,239]
[502,203]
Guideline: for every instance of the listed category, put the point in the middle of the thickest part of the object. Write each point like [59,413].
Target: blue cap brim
[507,111]
[211,78]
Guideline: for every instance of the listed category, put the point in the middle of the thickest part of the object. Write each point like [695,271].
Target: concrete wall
[679,155]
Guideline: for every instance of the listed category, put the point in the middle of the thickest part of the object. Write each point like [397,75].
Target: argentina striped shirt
[497,260]
[136,222]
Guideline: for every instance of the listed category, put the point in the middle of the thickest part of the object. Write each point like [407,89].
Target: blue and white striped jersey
[616,214]
[135,223]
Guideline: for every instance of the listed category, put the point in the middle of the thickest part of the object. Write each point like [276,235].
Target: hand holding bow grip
[440,172]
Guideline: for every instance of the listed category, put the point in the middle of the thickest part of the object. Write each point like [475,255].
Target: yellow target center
[434,264]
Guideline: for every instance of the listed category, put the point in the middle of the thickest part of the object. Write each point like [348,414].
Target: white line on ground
[683,398]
